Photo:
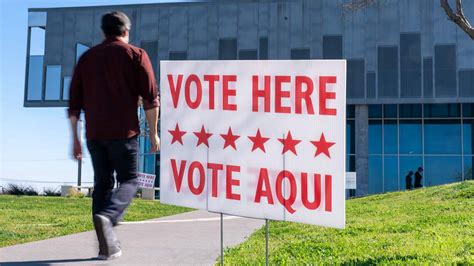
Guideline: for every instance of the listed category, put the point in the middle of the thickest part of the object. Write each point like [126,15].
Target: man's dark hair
[115,23]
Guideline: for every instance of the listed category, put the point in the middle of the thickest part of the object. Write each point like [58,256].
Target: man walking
[107,83]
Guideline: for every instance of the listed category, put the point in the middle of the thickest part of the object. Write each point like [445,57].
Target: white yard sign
[261,139]
[146,180]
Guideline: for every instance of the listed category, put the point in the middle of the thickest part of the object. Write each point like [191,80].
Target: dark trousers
[109,156]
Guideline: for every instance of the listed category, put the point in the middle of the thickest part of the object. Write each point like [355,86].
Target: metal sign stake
[222,239]
[266,242]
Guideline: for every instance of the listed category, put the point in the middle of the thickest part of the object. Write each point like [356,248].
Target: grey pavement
[191,238]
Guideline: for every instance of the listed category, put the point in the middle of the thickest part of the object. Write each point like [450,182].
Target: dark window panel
[375,111]
[371,94]
[263,48]
[350,163]
[390,172]
[390,137]
[248,55]
[350,111]
[332,47]
[350,137]
[227,49]
[428,77]
[375,174]
[410,136]
[355,78]
[390,111]
[410,65]
[302,53]
[445,70]
[53,83]
[178,55]
[468,110]
[468,161]
[388,72]
[410,110]
[442,136]
[375,136]
[441,170]
[442,110]
[151,48]
[466,83]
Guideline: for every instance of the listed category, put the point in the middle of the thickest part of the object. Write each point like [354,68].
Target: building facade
[410,75]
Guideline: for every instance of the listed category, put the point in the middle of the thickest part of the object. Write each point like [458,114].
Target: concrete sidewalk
[185,239]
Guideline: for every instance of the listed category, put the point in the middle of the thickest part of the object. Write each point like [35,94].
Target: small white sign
[261,139]
[351,180]
[146,180]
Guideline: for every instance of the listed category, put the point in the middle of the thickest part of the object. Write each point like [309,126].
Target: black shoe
[109,246]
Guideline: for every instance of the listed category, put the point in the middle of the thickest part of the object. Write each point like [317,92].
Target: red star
[258,141]
[177,135]
[289,144]
[230,139]
[322,146]
[203,137]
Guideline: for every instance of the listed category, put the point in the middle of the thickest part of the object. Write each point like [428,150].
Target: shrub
[20,190]
[51,192]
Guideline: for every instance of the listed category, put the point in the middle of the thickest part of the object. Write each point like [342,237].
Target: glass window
[390,111]
[263,48]
[80,49]
[371,93]
[178,55]
[157,169]
[468,167]
[442,110]
[350,111]
[428,77]
[149,164]
[35,77]
[151,48]
[332,47]
[375,137]
[390,137]
[375,174]
[407,164]
[442,136]
[445,70]
[227,49]
[410,110]
[350,163]
[302,53]
[248,55]
[35,64]
[388,72]
[66,84]
[390,173]
[355,78]
[375,111]
[350,137]
[410,137]
[53,82]
[466,83]
[442,170]
[468,110]
[410,65]
[141,161]
[468,136]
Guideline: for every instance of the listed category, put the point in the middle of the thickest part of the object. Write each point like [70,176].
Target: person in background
[418,177]
[106,85]
[408,181]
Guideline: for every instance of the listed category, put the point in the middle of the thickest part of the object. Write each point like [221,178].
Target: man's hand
[154,143]
[77,149]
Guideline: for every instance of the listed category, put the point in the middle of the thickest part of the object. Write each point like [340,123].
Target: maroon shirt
[106,84]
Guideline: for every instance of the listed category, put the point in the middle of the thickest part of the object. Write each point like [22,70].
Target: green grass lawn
[28,218]
[430,225]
